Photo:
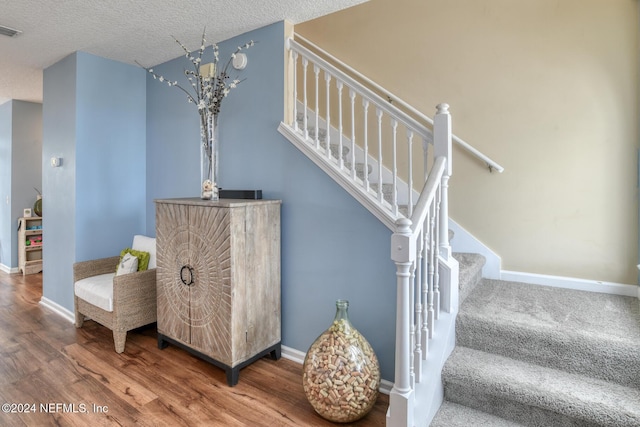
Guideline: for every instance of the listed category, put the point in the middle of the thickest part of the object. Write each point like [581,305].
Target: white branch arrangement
[207,91]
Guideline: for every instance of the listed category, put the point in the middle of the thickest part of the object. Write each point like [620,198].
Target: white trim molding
[293,354]
[385,387]
[8,269]
[572,283]
[57,308]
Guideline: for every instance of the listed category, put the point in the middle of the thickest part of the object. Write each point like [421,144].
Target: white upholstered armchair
[119,302]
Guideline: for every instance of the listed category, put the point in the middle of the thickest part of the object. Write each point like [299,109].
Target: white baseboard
[293,354]
[385,386]
[298,357]
[8,269]
[54,306]
[572,283]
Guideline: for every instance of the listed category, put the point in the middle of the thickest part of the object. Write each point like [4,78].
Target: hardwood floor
[73,377]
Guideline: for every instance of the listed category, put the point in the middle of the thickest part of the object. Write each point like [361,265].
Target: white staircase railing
[425,286]
[405,106]
[354,134]
[357,119]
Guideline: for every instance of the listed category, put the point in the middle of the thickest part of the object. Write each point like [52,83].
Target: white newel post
[443,147]
[448,267]
[401,398]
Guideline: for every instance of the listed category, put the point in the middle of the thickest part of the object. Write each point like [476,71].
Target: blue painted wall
[20,170]
[110,156]
[94,119]
[58,208]
[26,158]
[6,111]
[332,247]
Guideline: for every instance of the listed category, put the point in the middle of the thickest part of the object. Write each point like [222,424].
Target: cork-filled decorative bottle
[341,373]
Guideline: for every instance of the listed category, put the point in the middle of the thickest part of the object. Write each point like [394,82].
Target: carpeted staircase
[529,355]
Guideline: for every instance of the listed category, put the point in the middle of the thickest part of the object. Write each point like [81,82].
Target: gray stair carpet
[387,190]
[359,168]
[534,395]
[333,146]
[470,272]
[455,415]
[542,356]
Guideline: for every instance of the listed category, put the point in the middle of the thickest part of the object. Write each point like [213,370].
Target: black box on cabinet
[240,194]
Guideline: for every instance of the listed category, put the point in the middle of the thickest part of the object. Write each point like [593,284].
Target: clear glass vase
[341,373]
[209,156]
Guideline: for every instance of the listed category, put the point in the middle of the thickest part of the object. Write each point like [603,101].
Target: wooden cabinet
[30,245]
[218,279]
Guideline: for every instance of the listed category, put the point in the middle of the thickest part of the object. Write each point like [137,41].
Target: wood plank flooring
[73,377]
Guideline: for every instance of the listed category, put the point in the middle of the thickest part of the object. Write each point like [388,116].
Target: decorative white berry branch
[207,91]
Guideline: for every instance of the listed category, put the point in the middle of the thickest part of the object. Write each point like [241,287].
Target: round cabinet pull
[191,275]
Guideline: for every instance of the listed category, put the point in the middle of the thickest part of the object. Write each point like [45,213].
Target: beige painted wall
[548,88]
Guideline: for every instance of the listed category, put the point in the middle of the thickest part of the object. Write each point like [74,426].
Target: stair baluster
[352,95]
[327,78]
[394,127]
[379,116]
[412,315]
[416,324]
[316,72]
[425,159]
[365,143]
[295,91]
[436,258]
[305,126]
[424,330]
[430,223]
[340,127]
[410,174]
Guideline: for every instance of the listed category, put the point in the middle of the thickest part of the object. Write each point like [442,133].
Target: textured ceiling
[127,30]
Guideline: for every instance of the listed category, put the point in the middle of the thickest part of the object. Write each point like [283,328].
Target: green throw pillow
[143,257]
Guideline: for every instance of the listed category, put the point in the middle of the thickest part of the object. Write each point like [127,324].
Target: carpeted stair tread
[470,272]
[602,314]
[359,168]
[454,415]
[387,190]
[535,395]
[334,147]
[579,332]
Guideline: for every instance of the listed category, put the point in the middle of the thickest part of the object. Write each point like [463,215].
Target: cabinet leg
[276,353]
[162,344]
[233,375]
